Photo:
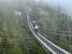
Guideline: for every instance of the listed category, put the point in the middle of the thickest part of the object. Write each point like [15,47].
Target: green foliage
[54,21]
[35,13]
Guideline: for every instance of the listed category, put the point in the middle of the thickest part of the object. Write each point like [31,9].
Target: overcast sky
[65,4]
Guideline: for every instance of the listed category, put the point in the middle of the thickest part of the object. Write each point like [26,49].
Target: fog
[66,5]
[28,25]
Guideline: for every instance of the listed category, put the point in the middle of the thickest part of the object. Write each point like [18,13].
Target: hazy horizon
[66,5]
